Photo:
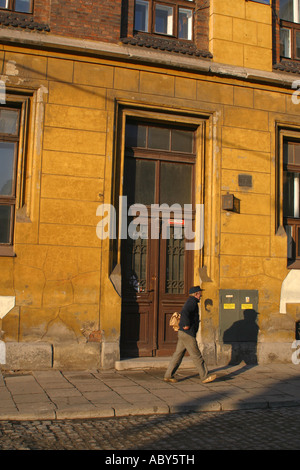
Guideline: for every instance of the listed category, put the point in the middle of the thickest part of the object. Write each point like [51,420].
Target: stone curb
[123,411]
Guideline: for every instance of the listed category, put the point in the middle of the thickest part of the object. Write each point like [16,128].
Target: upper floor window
[289,13]
[9,144]
[291,199]
[20,6]
[167,18]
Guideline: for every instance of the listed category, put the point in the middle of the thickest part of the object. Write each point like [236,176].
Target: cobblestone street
[274,429]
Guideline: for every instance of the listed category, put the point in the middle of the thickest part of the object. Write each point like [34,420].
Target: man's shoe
[210,378]
[171,379]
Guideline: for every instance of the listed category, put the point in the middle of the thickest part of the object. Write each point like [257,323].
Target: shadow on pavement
[267,420]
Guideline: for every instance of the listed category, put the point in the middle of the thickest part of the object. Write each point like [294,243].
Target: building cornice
[128,53]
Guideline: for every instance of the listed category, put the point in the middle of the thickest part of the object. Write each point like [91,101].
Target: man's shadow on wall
[242,335]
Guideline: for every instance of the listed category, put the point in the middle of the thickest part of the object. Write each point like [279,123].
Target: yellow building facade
[61,300]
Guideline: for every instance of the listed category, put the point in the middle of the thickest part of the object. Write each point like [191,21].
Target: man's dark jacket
[189,316]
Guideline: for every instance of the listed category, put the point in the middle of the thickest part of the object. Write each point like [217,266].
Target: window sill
[288,65]
[293,264]
[179,46]
[8,10]
[7,251]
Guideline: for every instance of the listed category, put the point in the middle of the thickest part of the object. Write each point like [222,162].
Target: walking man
[188,327]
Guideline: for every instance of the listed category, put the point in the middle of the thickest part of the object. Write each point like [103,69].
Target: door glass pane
[9,121]
[7,153]
[285,42]
[135,135]
[23,6]
[164,19]
[185,24]
[175,264]
[134,265]
[141,15]
[182,141]
[286,10]
[159,138]
[175,184]
[5,221]
[139,181]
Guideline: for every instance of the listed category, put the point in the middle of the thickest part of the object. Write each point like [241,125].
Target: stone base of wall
[276,352]
[86,356]
[28,356]
[249,353]
[43,356]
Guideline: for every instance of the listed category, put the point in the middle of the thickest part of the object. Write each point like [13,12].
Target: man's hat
[195,289]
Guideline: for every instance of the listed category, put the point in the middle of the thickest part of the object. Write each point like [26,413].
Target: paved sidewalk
[57,394]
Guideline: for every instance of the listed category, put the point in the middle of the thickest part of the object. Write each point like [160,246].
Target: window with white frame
[289,13]
[174,19]
[20,6]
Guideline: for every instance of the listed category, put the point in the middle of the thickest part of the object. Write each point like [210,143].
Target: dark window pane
[288,194]
[139,181]
[135,135]
[3,3]
[290,241]
[175,184]
[7,152]
[5,221]
[159,138]
[182,141]
[185,18]
[164,19]
[141,15]
[134,265]
[297,52]
[174,264]
[9,121]
[297,154]
[285,42]
[288,153]
[23,6]
[286,11]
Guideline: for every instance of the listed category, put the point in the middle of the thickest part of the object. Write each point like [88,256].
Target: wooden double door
[157,269]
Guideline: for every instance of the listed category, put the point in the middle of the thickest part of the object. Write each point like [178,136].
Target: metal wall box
[237,315]
[230,203]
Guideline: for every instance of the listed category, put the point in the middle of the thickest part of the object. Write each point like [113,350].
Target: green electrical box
[238,315]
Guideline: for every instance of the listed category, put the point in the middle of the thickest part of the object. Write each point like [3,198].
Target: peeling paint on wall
[6,304]
[11,68]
